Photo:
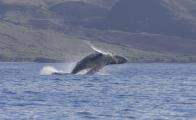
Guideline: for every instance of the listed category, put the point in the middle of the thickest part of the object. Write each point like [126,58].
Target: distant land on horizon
[60,30]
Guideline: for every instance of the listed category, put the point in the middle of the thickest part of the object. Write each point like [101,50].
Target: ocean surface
[118,92]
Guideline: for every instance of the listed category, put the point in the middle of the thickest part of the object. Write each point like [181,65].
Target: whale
[96,61]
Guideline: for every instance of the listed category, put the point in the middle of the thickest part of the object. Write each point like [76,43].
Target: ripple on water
[131,91]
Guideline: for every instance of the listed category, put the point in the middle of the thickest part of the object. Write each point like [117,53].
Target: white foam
[48,70]
[59,68]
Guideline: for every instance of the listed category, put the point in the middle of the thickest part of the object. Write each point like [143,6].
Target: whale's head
[120,59]
[116,59]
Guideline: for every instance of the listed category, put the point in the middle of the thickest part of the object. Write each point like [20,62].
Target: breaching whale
[92,63]
[97,61]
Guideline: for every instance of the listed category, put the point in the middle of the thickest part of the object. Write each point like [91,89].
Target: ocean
[118,92]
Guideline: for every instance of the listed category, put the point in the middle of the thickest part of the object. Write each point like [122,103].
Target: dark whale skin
[96,61]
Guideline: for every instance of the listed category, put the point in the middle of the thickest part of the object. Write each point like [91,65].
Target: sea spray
[58,69]
[48,70]
[68,67]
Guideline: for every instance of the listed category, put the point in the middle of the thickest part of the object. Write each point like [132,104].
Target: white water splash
[58,69]
[49,70]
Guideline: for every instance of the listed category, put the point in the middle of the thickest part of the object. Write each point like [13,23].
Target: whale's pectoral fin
[95,69]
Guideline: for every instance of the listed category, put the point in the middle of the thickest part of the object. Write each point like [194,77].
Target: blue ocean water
[118,92]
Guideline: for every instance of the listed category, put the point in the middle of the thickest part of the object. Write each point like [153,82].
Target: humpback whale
[92,63]
[97,61]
